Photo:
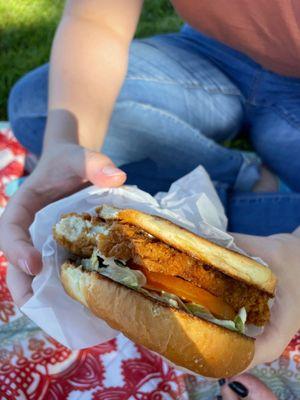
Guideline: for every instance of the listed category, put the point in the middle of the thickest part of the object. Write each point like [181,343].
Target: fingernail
[23,264]
[111,171]
[221,382]
[239,389]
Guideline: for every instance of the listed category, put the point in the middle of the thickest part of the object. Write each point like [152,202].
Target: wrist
[64,127]
[61,127]
[297,232]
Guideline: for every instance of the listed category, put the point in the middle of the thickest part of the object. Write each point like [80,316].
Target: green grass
[27,28]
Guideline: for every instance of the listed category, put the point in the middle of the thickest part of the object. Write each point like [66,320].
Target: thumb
[297,232]
[19,285]
[253,245]
[246,386]
[98,169]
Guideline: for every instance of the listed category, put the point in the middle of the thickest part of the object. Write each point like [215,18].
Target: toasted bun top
[226,261]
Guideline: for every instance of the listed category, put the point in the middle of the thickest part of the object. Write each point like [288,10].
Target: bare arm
[88,66]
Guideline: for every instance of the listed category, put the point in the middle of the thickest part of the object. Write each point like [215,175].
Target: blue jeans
[185,94]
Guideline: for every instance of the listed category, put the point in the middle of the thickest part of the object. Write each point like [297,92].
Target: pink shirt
[266,30]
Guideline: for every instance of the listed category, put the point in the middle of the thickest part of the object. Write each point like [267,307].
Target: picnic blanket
[34,366]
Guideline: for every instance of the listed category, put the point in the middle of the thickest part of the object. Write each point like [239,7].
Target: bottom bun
[188,341]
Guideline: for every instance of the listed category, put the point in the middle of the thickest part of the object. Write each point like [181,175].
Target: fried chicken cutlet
[127,242]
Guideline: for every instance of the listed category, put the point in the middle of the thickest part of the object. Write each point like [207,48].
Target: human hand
[61,170]
[245,386]
[282,253]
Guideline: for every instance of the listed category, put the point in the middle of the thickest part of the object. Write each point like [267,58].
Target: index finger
[15,240]
[19,285]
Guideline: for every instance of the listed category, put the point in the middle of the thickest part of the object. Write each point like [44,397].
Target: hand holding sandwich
[282,253]
[62,170]
[84,82]
[171,270]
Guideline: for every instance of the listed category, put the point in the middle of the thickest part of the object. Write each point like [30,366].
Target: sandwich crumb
[156,310]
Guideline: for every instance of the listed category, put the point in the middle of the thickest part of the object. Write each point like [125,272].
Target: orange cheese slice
[189,293]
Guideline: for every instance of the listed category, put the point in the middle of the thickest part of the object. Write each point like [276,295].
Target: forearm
[88,66]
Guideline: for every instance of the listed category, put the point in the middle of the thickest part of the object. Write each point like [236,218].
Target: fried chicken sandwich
[166,288]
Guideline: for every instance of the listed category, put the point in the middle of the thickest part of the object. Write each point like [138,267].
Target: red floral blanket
[34,366]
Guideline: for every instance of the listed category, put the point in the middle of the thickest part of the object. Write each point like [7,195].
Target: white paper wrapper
[191,202]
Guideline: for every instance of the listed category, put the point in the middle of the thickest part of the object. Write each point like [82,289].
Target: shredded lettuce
[240,320]
[134,279]
[111,268]
[165,297]
[238,324]
[124,275]
[92,263]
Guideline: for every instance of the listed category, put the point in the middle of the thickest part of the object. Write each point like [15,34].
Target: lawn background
[27,28]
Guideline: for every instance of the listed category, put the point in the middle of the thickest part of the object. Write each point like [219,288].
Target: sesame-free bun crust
[227,261]
[187,341]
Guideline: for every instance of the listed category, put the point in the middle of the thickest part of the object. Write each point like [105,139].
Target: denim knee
[277,142]
[27,108]
[169,77]
[140,131]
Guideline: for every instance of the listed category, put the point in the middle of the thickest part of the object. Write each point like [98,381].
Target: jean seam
[171,117]
[286,116]
[164,113]
[150,43]
[187,85]
[255,84]
[260,199]
[264,103]
[31,116]
[283,114]
[280,111]
[209,143]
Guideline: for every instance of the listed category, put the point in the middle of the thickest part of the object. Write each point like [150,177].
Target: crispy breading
[129,243]
[78,233]
[227,261]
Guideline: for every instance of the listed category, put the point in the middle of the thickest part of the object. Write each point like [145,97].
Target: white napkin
[191,202]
